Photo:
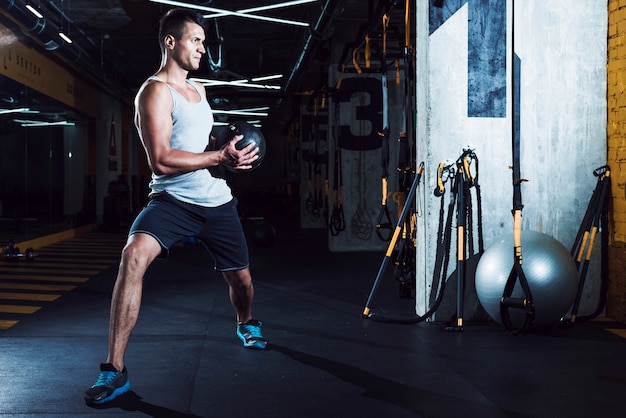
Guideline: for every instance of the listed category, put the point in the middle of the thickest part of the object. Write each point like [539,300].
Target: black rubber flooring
[324,359]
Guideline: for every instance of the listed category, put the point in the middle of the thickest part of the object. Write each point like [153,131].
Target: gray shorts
[169,220]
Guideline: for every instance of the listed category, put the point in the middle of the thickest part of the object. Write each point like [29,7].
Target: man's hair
[173,23]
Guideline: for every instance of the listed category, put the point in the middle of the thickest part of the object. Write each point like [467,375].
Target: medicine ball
[251,134]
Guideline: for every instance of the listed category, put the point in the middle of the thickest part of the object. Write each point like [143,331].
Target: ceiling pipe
[47,33]
[31,23]
[323,21]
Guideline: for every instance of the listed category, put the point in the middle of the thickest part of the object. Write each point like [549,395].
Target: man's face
[189,48]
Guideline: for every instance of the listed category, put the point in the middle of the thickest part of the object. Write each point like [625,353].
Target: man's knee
[140,251]
[238,278]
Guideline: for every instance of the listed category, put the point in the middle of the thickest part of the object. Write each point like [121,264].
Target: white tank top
[192,124]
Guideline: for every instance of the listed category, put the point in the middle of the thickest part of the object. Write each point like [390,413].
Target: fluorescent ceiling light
[255,123]
[263,8]
[267,77]
[258,111]
[224,12]
[39,123]
[65,37]
[17,110]
[34,11]
[240,83]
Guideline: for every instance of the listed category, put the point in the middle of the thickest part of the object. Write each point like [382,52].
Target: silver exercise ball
[549,269]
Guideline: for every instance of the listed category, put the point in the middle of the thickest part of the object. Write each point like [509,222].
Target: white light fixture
[256,123]
[17,110]
[38,123]
[267,77]
[263,8]
[223,12]
[242,82]
[65,37]
[237,83]
[257,111]
[34,11]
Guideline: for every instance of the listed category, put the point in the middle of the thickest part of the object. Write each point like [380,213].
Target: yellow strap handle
[407,24]
[398,81]
[517,234]
[385,26]
[384,191]
[368,52]
[355,60]
[338,84]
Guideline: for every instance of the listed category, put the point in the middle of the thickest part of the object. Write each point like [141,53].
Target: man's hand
[239,159]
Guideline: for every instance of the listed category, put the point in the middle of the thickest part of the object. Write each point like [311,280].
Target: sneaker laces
[252,329]
[104,378]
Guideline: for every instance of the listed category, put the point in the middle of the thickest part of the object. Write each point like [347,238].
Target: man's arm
[154,119]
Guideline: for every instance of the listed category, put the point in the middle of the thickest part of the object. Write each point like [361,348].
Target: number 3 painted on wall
[359,130]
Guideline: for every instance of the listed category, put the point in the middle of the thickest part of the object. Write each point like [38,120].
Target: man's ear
[169,41]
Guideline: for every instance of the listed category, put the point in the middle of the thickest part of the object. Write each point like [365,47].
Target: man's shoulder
[153,84]
[153,88]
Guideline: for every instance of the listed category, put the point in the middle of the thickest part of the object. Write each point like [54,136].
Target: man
[173,119]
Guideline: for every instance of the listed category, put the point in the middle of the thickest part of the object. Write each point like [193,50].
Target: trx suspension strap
[596,218]
[393,242]
[405,159]
[405,259]
[463,181]
[383,223]
[336,222]
[517,272]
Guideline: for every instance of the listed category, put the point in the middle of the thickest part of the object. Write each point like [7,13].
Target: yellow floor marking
[48,278]
[19,309]
[27,286]
[80,248]
[617,331]
[38,297]
[72,264]
[82,252]
[15,269]
[4,324]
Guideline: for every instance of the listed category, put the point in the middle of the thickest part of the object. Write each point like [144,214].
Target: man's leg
[137,255]
[241,293]
[139,252]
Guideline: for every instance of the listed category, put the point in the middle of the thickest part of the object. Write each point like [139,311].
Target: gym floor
[324,360]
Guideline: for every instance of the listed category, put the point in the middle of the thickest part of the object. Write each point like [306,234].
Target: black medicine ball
[251,134]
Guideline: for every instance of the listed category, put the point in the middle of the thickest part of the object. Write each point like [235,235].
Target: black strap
[383,223]
[595,220]
[390,248]
[517,272]
[337,222]
[517,275]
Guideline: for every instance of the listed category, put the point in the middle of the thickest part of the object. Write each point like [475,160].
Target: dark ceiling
[116,42]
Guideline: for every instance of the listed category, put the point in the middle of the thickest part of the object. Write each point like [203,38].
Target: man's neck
[172,74]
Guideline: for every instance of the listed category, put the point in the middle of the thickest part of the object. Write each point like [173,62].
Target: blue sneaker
[110,384]
[250,334]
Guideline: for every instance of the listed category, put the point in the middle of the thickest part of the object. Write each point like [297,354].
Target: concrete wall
[562,58]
